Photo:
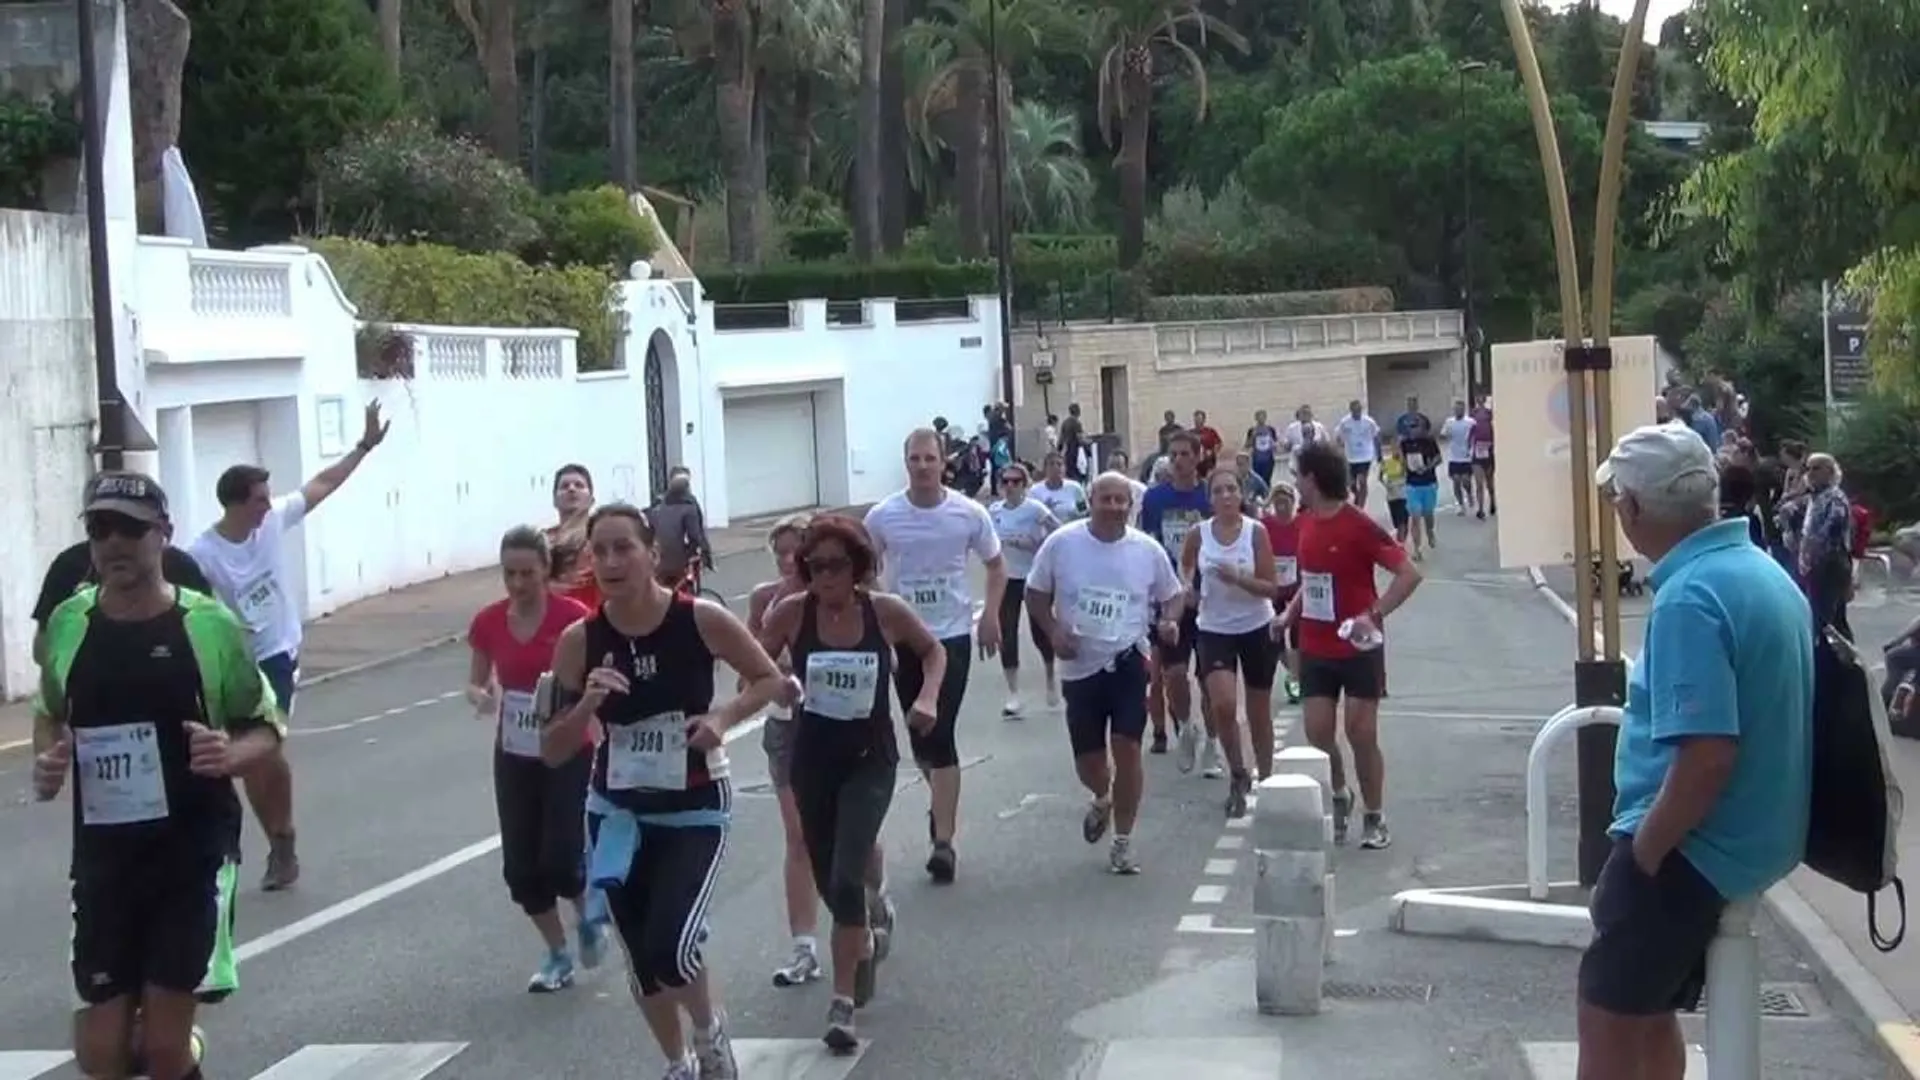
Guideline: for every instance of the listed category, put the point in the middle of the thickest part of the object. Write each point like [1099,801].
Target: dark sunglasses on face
[105,525]
[1016,480]
[829,564]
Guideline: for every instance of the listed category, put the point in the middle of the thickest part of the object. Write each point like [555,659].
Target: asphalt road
[1036,965]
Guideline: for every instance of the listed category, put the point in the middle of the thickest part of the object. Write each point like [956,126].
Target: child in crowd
[1393,480]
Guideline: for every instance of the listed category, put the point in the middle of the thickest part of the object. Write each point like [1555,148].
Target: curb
[1840,972]
[379,661]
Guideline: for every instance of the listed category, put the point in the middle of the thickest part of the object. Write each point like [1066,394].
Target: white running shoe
[1189,749]
[1215,767]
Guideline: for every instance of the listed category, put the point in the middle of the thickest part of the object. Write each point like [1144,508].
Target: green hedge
[1268,305]
[439,286]
[903,280]
[592,227]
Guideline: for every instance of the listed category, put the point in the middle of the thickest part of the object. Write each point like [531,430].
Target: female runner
[658,808]
[842,637]
[1021,521]
[542,834]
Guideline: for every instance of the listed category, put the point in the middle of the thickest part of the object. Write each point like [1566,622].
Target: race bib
[1100,614]
[1263,444]
[120,777]
[1286,569]
[257,600]
[932,596]
[842,685]
[1482,451]
[651,754]
[1416,462]
[519,725]
[1316,597]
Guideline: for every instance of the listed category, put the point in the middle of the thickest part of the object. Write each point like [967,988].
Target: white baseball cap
[1659,460]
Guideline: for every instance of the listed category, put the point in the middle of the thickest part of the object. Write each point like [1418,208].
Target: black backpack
[1854,817]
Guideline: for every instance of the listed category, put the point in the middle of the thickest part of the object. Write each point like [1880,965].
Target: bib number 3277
[650,755]
[119,774]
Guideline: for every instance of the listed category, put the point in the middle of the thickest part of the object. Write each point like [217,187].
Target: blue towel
[620,834]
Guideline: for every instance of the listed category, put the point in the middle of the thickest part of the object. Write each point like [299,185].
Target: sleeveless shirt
[848,709]
[644,763]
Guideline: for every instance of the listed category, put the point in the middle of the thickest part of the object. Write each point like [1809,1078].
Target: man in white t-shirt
[924,536]
[1360,439]
[1093,590]
[241,556]
[1302,433]
[1456,437]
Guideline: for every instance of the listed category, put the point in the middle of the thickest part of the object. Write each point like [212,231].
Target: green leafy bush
[1269,305]
[1874,444]
[593,227]
[438,285]
[33,135]
[904,280]
[405,183]
[1775,359]
[815,243]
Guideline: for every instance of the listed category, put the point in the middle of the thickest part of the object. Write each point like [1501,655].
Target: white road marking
[1239,822]
[1209,894]
[794,1059]
[1230,843]
[391,1061]
[355,904]
[27,1064]
[1221,867]
[1203,924]
[1241,1058]
[327,729]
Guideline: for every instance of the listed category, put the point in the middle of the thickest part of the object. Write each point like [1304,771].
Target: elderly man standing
[1713,768]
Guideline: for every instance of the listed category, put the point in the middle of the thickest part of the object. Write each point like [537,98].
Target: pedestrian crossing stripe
[784,1059]
[1561,1060]
[1252,1058]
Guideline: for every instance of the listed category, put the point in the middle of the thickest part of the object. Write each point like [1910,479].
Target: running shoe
[1373,833]
[1293,690]
[283,865]
[800,969]
[137,1063]
[1342,810]
[1237,791]
[1189,746]
[593,942]
[1159,742]
[1094,825]
[713,1050]
[882,916]
[1120,858]
[554,975]
[1215,767]
[840,1037]
[1011,710]
[684,1069]
[942,863]
[1053,694]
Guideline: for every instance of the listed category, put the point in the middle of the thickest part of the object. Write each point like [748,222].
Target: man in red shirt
[1340,619]
[1209,441]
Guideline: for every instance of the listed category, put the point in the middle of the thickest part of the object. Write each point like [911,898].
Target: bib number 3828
[650,755]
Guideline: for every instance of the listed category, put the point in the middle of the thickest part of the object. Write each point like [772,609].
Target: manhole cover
[1379,991]
[1775,1001]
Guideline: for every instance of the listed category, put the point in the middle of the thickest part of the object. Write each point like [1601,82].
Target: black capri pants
[543,837]
[660,911]
[842,797]
[1254,654]
[936,749]
[1010,603]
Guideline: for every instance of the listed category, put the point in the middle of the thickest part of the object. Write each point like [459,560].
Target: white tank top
[1224,608]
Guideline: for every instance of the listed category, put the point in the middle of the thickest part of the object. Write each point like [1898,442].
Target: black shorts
[1180,653]
[1358,678]
[1359,470]
[1459,470]
[1484,464]
[1252,654]
[1650,935]
[161,923]
[1397,511]
[936,749]
[1111,701]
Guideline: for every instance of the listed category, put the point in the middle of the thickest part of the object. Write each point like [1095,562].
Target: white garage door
[224,435]
[770,455]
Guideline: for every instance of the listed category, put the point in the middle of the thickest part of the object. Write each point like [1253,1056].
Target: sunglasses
[1015,480]
[829,564]
[104,526]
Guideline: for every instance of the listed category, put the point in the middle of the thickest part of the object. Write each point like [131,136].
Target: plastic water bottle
[1365,638]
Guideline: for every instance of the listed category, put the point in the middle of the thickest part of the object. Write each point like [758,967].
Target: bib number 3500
[651,754]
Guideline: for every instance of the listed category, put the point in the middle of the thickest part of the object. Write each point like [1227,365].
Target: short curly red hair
[849,534]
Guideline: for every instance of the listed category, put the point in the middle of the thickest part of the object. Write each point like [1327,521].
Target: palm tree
[867,169]
[1128,36]
[1048,185]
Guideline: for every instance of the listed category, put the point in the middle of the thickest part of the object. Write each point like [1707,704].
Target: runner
[1210,441]
[1341,618]
[1230,556]
[151,699]
[1393,482]
[572,562]
[1168,512]
[923,536]
[1262,443]
[1022,523]
[1305,431]
[1421,454]
[1065,498]
[1094,588]
[1120,463]
[1360,438]
[1457,432]
[659,807]
[1283,537]
[776,738]
[542,837]
[843,638]
[1484,501]
[241,556]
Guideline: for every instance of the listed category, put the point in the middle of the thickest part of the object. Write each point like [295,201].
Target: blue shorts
[1422,501]
[283,674]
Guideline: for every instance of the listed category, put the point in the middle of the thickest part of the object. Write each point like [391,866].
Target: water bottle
[1364,638]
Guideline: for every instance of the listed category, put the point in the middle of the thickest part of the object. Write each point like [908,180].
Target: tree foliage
[404,183]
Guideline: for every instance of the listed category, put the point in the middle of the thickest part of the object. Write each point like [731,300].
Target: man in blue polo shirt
[1713,768]
[1168,510]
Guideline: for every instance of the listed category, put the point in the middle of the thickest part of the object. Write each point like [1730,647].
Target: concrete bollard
[1289,896]
[1309,761]
[1733,996]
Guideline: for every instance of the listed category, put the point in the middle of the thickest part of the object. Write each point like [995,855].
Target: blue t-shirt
[1168,513]
[1707,426]
[1728,652]
[1410,422]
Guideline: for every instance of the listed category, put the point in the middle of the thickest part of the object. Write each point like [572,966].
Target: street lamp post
[1470,327]
[1001,256]
[112,433]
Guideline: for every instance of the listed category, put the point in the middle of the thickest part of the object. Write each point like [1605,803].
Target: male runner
[924,535]
[1167,511]
[150,699]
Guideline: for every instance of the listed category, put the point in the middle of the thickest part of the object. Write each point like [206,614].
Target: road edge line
[1841,973]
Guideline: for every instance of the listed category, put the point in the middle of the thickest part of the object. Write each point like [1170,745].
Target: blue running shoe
[593,942]
[554,975]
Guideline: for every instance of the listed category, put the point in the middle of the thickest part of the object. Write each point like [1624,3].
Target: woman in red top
[542,810]
[1283,535]
[572,559]
[1340,619]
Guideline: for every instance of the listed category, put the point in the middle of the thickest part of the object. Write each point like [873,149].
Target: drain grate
[1776,1000]
[1419,993]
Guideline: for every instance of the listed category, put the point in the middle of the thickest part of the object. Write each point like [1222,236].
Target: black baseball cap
[133,494]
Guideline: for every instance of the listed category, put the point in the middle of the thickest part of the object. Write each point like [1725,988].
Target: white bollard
[1289,896]
[1309,761]
[1733,996]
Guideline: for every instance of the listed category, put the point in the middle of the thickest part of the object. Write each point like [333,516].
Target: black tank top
[848,709]
[643,764]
